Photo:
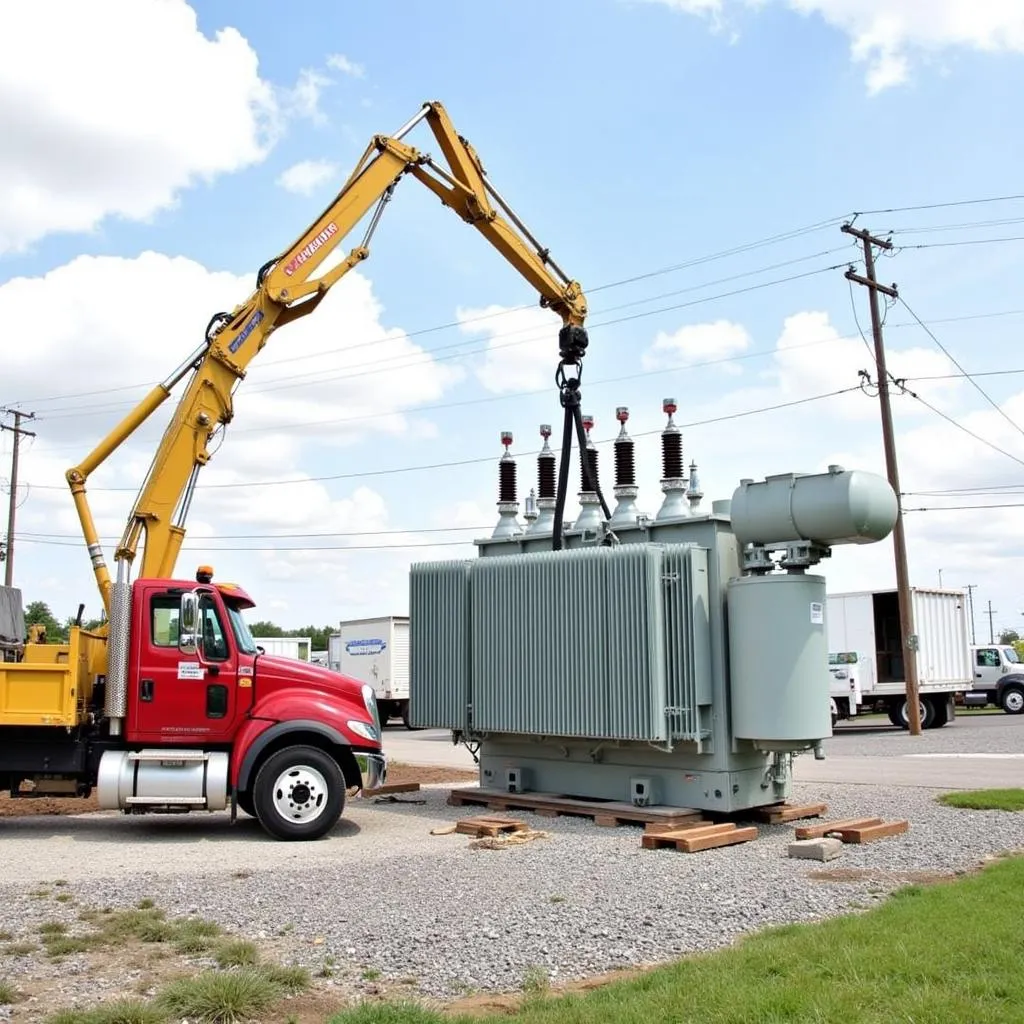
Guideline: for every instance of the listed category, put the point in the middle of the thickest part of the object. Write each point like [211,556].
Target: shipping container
[866,653]
[376,651]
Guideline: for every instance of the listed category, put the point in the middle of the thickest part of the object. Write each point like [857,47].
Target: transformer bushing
[590,517]
[673,479]
[508,504]
[693,492]
[544,523]
[626,513]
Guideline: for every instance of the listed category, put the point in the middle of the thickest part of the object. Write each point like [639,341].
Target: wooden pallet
[699,836]
[778,814]
[489,826]
[855,830]
[607,813]
[393,787]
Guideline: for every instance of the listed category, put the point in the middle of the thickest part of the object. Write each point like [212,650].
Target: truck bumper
[374,768]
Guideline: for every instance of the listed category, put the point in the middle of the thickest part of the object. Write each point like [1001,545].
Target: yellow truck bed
[52,685]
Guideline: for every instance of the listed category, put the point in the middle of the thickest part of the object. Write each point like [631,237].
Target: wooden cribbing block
[489,826]
[393,787]
[870,833]
[655,828]
[695,838]
[781,813]
[818,831]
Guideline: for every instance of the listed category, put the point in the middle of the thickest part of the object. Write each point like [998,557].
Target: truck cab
[851,677]
[998,678]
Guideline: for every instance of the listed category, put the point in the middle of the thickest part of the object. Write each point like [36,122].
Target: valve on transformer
[673,478]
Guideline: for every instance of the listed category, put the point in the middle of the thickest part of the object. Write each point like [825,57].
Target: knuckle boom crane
[170,706]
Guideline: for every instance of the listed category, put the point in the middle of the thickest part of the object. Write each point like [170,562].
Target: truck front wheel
[299,793]
[1012,700]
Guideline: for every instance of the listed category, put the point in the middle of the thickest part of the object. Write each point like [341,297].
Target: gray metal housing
[603,672]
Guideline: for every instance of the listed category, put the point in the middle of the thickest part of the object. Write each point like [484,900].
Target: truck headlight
[370,700]
[364,729]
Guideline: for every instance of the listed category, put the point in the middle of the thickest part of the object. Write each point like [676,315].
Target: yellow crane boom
[289,287]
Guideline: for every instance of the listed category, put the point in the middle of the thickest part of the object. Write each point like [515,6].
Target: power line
[331,547]
[430,357]
[952,359]
[478,461]
[964,508]
[940,206]
[960,426]
[449,325]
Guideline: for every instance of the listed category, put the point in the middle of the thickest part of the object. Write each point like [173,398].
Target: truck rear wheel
[902,713]
[299,793]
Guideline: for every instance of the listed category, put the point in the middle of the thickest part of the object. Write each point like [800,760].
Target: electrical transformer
[678,659]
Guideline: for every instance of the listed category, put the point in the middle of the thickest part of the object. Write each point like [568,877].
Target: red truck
[169,705]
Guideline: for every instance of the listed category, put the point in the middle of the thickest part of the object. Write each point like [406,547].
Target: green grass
[237,953]
[946,953]
[8,993]
[63,945]
[291,979]
[19,948]
[117,1011]
[985,799]
[52,928]
[220,998]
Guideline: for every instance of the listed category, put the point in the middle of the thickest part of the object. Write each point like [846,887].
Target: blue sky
[631,137]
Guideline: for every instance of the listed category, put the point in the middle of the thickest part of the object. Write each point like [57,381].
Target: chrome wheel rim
[300,794]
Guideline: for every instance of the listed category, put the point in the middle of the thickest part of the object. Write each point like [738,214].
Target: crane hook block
[572,343]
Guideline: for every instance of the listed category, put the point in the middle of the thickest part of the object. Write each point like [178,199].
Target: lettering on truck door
[181,698]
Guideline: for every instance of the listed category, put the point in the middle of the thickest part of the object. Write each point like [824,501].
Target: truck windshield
[246,644]
[1010,654]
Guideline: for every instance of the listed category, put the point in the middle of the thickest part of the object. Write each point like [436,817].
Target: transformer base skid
[639,777]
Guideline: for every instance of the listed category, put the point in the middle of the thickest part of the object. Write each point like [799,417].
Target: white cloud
[306,176]
[339,62]
[887,35]
[522,346]
[697,342]
[110,108]
[339,364]
[303,99]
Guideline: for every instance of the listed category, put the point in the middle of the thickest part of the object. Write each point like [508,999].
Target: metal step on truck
[866,655]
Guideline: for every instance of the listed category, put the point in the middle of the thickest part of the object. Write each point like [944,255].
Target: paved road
[974,752]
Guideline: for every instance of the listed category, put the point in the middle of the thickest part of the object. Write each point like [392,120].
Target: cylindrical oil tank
[778,659]
[837,507]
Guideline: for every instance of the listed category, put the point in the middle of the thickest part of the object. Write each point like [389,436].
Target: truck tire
[903,713]
[406,719]
[1012,700]
[299,793]
[940,711]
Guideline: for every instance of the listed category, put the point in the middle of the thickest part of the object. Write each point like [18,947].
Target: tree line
[39,613]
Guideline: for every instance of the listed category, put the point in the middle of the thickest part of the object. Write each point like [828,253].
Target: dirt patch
[883,877]
[21,807]
[426,775]
[506,1004]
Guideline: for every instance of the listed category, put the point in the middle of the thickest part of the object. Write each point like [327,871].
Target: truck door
[987,668]
[178,698]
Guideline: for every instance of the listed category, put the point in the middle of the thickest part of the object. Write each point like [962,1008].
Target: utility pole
[899,539]
[970,588]
[991,619]
[18,432]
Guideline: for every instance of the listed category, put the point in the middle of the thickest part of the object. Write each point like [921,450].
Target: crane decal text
[316,242]
[244,333]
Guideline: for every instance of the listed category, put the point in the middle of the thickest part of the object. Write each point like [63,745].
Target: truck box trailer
[376,651]
[866,654]
[298,647]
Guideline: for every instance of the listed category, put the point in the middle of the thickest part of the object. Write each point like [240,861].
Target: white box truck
[866,654]
[998,678]
[285,646]
[376,651]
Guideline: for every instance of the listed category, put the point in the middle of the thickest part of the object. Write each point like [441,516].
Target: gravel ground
[383,894]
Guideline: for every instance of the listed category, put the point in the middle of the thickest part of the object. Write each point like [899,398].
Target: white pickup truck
[998,679]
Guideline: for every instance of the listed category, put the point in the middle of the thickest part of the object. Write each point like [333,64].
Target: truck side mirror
[188,623]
